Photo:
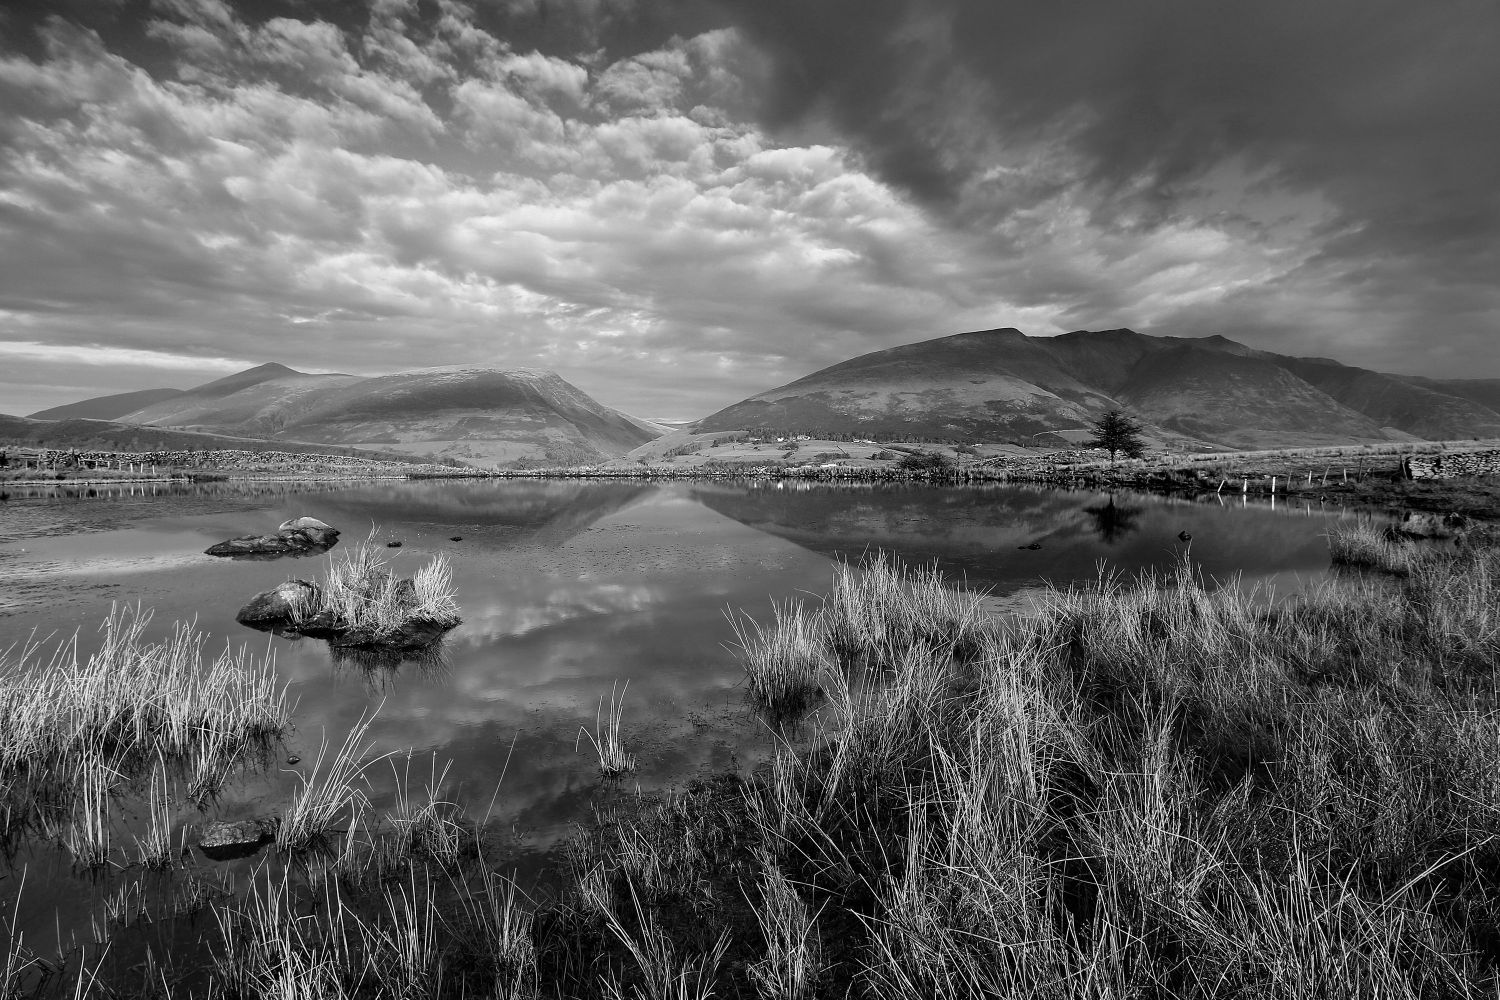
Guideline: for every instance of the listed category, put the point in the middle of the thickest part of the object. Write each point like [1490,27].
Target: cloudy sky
[677,203]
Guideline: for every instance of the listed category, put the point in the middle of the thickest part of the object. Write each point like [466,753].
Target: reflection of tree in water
[1113,522]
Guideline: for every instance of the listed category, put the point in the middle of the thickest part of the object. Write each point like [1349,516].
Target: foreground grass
[78,733]
[1155,788]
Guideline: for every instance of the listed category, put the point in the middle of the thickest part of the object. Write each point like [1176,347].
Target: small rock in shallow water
[1033,545]
[226,841]
[455,538]
[393,545]
[1183,536]
[294,759]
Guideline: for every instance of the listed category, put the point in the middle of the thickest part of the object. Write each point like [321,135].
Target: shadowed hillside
[480,415]
[1001,385]
[108,407]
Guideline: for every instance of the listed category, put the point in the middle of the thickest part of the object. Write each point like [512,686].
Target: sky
[678,203]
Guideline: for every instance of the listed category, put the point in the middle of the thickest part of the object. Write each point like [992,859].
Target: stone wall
[1453,465]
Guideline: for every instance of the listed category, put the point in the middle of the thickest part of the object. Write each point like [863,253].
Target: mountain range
[990,385]
[476,414]
[1001,385]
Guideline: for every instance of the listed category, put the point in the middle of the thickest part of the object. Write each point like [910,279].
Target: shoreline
[1364,482]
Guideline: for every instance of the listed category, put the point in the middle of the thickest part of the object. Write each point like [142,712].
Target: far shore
[1348,474]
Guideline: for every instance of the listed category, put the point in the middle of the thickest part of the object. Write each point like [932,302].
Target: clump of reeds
[428,825]
[77,731]
[786,663]
[361,598]
[881,611]
[614,760]
[1367,546]
[332,797]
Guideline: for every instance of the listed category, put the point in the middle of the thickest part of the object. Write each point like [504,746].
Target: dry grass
[613,758]
[1367,546]
[77,732]
[1157,787]
[332,798]
[361,595]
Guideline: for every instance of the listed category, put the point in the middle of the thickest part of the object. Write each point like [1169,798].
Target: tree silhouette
[1118,432]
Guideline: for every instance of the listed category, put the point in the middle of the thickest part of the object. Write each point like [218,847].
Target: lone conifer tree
[1117,432]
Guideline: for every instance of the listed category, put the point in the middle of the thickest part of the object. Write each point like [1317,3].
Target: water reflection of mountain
[545,513]
[987,534]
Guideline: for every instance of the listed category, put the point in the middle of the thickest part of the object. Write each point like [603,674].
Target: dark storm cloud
[1386,109]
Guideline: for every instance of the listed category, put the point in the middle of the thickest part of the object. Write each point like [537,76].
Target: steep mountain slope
[259,409]
[1484,391]
[1001,385]
[107,407]
[1394,402]
[996,384]
[472,413]
[1242,401]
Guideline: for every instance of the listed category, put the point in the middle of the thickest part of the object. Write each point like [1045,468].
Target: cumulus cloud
[745,202]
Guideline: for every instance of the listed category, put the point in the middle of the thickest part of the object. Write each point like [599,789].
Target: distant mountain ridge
[472,413]
[1002,385]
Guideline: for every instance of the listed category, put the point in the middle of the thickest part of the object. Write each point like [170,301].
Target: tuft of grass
[613,758]
[330,790]
[430,826]
[786,663]
[1366,546]
[360,595]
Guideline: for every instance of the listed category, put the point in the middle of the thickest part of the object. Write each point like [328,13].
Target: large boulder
[310,528]
[223,841]
[275,608]
[298,536]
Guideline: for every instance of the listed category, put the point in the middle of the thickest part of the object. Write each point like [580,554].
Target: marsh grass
[333,795]
[428,824]
[786,662]
[77,733]
[1158,787]
[614,760]
[1154,787]
[360,595]
[1366,546]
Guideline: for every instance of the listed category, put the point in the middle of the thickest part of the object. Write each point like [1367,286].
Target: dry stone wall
[1453,465]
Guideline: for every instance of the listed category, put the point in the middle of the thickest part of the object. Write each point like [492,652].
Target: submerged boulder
[297,536]
[226,841]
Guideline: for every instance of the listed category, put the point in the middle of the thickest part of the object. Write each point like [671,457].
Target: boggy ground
[1156,788]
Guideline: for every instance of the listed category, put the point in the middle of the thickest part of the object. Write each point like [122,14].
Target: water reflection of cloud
[556,605]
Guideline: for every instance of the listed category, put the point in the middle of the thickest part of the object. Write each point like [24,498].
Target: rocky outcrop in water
[296,537]
[390,616]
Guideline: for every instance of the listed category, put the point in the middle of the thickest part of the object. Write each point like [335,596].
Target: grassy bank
[1151,788]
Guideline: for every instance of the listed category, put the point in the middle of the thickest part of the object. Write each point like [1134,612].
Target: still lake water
[568,590]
